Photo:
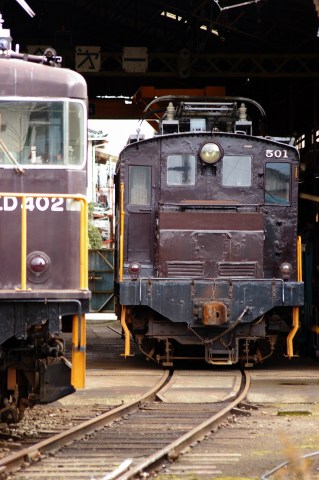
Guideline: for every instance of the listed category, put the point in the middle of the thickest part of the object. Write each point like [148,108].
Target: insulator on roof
[242,112]
[170,111]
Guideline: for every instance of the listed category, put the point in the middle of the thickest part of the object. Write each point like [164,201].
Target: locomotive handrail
[83,281]
[295,310]
[127,351]
[122,213]
[209,205]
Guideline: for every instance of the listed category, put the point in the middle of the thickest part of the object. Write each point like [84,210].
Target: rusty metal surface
[209,239]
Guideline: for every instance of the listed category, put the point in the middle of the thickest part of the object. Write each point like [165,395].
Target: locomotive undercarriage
[33,368]
[246,344]
[226,321]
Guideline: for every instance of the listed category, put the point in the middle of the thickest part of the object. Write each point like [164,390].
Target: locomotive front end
[43,227]
[210,266]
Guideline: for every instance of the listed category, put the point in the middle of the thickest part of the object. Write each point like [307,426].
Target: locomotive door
[140,214]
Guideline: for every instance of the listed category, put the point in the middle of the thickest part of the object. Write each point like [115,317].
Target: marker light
[286,270]
[134,270]
[38,265]
[210,153]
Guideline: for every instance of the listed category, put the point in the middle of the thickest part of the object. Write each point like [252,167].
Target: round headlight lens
[210,153]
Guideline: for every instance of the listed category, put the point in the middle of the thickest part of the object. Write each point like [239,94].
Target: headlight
[286,270]
[210,153]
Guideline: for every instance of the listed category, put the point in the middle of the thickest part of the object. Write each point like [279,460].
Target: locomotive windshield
[181,169]
[42,132]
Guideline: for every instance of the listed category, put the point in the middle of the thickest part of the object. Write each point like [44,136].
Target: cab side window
[277,183]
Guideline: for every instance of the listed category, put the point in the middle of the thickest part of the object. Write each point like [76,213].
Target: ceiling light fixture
[171,15]
[213,31]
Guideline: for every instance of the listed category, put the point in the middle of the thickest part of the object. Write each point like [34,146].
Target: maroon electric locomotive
[209,262]
[43,225]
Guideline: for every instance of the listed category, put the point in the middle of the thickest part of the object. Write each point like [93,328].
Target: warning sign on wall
[87,59]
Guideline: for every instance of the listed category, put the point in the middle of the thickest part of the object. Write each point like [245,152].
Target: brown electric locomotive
[43,225]
[209,261]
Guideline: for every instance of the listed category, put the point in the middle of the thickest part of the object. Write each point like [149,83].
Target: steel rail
[35,452]
[283,465]
[172,451]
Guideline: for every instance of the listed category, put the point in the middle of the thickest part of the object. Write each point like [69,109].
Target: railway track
[283,399]
[139,436]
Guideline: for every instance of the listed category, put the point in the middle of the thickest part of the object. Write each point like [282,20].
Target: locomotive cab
[208,235]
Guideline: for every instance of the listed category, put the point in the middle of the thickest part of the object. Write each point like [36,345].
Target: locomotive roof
[25,75]
[204,104]
[170,115]
[289,141]
[178,113]
[27,79]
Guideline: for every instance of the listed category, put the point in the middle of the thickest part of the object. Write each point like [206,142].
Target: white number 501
[276,153]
